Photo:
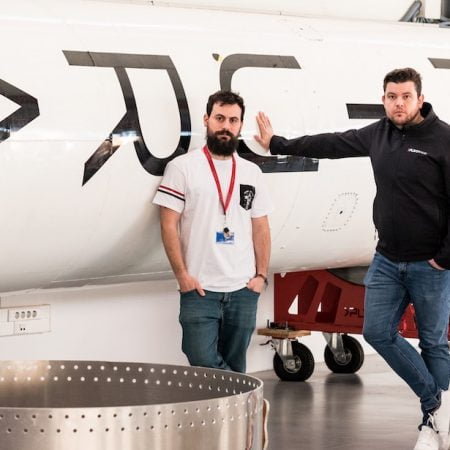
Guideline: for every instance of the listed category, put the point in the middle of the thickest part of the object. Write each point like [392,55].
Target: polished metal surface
[72,405]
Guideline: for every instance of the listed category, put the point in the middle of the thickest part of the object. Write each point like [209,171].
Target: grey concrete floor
[371,410]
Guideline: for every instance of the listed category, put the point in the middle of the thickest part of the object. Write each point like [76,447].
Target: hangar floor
[371,410]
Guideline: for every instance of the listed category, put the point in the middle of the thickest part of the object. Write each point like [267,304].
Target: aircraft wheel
[299,367]
[354,357]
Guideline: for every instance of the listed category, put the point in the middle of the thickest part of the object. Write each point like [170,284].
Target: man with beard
[410,155]
[216,236]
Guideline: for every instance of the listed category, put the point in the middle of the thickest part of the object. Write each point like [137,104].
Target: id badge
[225,237]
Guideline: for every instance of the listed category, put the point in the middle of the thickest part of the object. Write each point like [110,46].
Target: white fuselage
[69,63]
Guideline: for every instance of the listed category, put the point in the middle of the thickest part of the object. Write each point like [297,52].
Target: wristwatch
[260,275]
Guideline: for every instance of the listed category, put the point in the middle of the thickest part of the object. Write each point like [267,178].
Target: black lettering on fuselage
[439,63]
[230,65]
[129,124]
[28,111]
[365,111]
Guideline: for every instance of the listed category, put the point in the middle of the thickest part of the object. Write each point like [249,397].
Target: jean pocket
[191,293]
[372,268]
[253,292]
[434,268]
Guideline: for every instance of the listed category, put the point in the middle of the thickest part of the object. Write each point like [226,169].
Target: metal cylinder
[72,405]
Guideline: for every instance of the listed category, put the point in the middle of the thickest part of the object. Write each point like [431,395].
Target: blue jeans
[390,287]
[217,327]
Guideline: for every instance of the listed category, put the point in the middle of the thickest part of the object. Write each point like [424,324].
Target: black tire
[355,356]
[303,361]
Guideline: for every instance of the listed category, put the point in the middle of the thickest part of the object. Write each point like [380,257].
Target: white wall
[133,322]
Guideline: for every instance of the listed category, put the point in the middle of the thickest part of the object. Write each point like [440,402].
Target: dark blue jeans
[390,288]
[217,327]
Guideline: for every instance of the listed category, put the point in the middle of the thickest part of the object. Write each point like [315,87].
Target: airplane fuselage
[97,98]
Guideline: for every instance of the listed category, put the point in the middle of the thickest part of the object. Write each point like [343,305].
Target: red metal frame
[326,303]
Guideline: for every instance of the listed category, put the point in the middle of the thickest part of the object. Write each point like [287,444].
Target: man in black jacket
[410,154]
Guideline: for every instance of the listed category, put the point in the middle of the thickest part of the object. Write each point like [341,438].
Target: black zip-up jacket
[411,210]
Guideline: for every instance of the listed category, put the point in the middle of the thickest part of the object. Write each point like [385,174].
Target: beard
[407,119]
[219,146]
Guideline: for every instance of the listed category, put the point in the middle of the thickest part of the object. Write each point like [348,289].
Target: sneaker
[441,420]
[428,439]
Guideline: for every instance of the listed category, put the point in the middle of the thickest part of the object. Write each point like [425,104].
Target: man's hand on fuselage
[265,130]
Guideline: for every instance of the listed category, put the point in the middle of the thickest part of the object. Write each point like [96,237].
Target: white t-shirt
[188,187]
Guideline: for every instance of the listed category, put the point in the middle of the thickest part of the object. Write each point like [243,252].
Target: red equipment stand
[326,303]
[320,301]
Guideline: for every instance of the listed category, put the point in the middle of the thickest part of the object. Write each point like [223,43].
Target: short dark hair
[225,98]
[403,75]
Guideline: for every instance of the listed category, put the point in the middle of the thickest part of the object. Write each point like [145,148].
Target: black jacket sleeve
[443,255]
[350,143]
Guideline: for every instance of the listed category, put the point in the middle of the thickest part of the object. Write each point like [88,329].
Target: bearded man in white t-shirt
[214,226]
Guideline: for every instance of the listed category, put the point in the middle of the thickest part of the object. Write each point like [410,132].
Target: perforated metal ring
[53,405]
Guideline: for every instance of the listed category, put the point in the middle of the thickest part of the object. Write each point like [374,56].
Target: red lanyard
[216,179]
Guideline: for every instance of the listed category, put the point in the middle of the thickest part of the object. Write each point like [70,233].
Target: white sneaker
[428,439]
[441,420]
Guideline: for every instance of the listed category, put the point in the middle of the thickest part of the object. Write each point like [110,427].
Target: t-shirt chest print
[247,195]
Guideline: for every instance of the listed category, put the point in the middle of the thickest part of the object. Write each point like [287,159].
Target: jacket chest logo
[420,152]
